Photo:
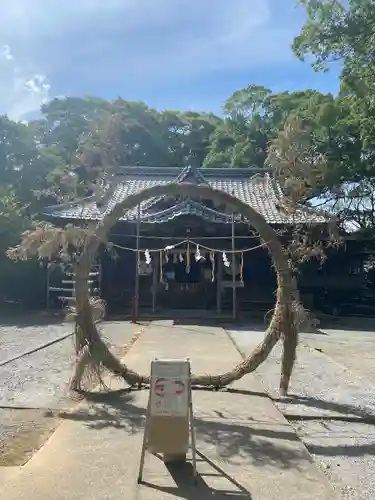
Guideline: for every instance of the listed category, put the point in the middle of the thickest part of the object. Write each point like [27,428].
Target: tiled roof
[254,187]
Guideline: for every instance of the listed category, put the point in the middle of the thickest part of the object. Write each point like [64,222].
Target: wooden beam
[154,281]
[234,289]
[219,275]
[136,286]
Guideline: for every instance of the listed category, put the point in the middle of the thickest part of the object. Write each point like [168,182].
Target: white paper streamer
[147,257]
[225,260]
[198,255]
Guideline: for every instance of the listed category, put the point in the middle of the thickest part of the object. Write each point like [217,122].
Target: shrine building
[181,253]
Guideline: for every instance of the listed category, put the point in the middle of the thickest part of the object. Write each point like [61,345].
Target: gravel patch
[354,350]
[325,391]
[39,381]
[16,339]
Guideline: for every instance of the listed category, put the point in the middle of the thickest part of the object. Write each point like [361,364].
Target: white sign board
[169,419]
[170,385]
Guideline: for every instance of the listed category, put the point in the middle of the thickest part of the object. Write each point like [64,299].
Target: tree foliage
[344,32]
[321,147]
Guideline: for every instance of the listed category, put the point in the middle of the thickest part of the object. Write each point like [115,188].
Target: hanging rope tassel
[212,258]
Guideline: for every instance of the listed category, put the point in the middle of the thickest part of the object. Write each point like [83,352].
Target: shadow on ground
[185,487]
[322,404]
[232,439]
[349,414]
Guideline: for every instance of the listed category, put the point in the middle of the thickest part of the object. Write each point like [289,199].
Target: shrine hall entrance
[187,264]
[173,281]
[187,283]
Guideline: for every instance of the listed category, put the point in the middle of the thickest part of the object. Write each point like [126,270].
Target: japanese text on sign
[170,381]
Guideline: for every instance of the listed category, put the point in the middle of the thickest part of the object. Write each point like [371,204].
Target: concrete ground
[332,407]
[247,450]
[33,384]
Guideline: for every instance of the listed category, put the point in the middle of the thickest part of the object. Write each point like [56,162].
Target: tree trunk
[90,344]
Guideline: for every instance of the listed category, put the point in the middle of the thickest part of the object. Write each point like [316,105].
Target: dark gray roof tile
[252,186]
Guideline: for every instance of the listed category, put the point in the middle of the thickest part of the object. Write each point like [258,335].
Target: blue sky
[178,54]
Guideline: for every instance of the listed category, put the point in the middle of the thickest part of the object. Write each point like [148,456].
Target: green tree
[241,140]
[14,221]
[25,165]
[65,120]
[335,31]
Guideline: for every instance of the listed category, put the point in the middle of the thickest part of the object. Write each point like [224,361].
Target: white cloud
[149,39]
[7,53]
[21,93]
[206,34]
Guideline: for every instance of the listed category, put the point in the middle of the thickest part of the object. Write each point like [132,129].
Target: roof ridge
[258,175]
[189,169]
[68,204]
[233,172]
[177,170]
[151,202]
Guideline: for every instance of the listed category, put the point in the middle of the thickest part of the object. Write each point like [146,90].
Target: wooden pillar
[100,276]
[136,285]
[154,282]
[219,275]
[234,290]
[48,285]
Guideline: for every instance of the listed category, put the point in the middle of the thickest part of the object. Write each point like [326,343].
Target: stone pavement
[246,448]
